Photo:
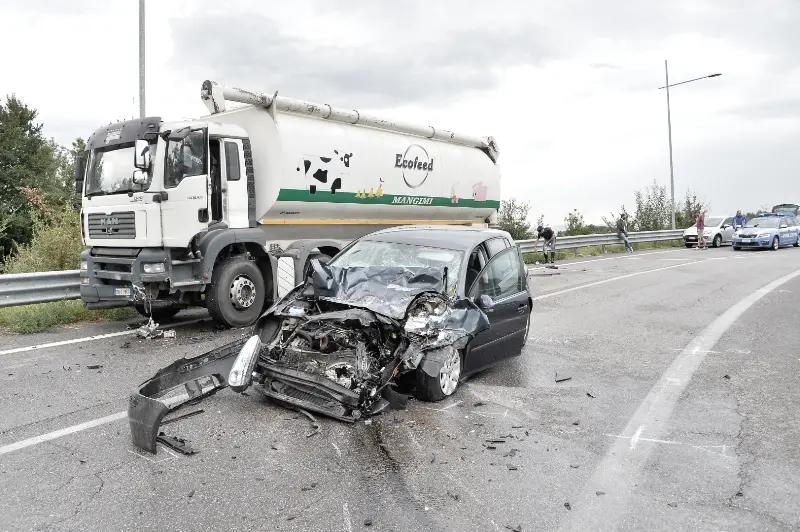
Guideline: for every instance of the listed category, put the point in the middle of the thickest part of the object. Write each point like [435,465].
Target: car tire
[433,389]
[736,249]
[797,242]
[688,245]
[776,244]
[160,315]
[237,293]
[717,242]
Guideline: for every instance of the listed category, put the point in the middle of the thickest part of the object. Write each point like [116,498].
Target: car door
[503,280]
[727,230]
[788,236]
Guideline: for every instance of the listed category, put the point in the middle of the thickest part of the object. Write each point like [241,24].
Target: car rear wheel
[776,244]
[797,241]
[717,241]
[445,384]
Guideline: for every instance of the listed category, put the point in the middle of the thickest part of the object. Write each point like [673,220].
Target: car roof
[442,236]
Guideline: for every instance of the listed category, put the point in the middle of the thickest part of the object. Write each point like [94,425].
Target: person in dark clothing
[622,231]
[549,243]
[739,221]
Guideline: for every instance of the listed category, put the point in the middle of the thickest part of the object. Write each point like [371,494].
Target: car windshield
[110,171]
[366,253]
[770,222]
[713,222]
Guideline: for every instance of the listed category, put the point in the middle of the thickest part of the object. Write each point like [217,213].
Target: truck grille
[116,225]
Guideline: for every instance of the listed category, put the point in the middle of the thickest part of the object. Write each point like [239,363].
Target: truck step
[179,284]
[190,261]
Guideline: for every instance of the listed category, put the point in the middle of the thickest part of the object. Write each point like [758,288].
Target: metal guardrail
[40,287]
[43,287]
[582,241]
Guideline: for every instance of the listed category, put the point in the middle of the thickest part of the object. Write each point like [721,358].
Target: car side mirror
[141,155]
[484,302]
[139,177]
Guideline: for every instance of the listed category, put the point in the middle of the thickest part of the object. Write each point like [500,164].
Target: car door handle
[522,308]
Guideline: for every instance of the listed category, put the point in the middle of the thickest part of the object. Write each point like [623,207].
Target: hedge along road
[616,326]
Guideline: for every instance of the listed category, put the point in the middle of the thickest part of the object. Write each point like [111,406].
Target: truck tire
[237,292]
[160,314]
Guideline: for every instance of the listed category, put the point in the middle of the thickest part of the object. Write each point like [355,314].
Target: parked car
[718,230]
[768,231]
[406,310]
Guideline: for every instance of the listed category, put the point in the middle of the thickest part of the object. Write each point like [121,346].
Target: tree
[686,213]
[513,218]
[611,223]
[653,208]
[25,159]
[575,224]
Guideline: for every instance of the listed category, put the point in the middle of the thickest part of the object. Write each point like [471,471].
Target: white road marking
[338,452]
[451,405]
[348,524]
[612,279]
[618,472]
[636,436]
[63,432]
[86,339]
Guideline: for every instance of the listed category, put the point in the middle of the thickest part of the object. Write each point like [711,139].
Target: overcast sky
[568,88]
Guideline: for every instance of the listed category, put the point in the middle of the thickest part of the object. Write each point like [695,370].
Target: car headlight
[156,267]
[84,265]
[707,232]
[241,374]
[763,235]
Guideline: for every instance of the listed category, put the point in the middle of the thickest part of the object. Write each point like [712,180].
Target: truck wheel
[237,293]
[434,389]
[160,314]
[322,257]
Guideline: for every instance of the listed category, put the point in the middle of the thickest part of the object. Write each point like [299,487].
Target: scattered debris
[511,453]
[273,447]
[576,422]
[190,494]
[590,394]
[598,493]
[368,522]
[552,266]
[94,366]
[739,494]
[125,345]
[66,368]
[511,467]
[170,333]
[516,426]
[495,441]
[176,444]
[490,447]
[673,504]
[479,403]
[313,422]
[562,376]
[367,422]
[195,339]
[568,506]
[184,416]
[454,496]
[149,330]
[726,377]
[309,488]
[517,528]
[574,466]
[291,518]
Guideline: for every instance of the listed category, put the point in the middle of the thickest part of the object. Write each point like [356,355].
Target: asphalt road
[681,414]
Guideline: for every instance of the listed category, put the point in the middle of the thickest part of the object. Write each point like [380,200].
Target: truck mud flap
[201,376]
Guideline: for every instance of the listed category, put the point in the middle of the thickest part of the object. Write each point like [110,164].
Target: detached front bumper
[201,376]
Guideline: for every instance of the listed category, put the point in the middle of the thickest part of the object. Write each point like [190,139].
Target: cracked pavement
[511,447]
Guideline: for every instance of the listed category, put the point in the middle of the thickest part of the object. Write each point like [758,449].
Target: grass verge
[28,319]
[596,251]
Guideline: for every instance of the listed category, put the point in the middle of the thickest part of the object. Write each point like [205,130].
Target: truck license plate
[122,291]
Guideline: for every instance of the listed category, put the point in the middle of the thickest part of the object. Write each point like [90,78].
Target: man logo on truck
[416,165]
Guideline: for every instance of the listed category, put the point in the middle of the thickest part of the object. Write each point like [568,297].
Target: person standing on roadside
[739,221]
[701,226]
[622,231]
[549,243]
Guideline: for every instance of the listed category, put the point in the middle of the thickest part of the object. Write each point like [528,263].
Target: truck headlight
[84,265]
[156,267]
[242,370]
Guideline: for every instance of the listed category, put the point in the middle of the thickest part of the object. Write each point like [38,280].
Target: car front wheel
[776,244]
[717,241]
[432,389]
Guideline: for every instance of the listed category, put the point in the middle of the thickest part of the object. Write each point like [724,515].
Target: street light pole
[141,59]
[669,132]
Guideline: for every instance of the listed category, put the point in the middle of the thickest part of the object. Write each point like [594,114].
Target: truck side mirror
[139,177]
[141,155]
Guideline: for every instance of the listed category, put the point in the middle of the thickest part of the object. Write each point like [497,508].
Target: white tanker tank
[314,164]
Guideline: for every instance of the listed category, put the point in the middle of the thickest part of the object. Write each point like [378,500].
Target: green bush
[35,318]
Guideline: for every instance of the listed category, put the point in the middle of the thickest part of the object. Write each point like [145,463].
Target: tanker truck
[227,210]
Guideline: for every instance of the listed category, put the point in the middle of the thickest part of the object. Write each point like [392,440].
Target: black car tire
[776,244]
[219,302]
[688,245]
[717,242]
[431,389]
[797,242]
[736,248]
[160,315]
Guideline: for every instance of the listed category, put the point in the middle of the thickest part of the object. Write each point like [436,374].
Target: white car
[718,231]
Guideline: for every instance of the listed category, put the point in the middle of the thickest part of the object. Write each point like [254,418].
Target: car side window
[728,221]
[501,277]
[496,245]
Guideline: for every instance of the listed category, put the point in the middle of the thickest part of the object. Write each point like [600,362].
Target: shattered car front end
[343,344]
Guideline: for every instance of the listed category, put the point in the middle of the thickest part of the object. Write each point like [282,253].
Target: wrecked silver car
[404,311]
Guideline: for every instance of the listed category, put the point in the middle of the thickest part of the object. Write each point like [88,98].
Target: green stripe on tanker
[287,194]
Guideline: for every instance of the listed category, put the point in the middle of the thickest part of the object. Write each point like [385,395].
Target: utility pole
[141,59]
[669,132]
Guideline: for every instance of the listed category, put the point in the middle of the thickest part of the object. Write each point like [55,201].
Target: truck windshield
[185,158]
[110,170]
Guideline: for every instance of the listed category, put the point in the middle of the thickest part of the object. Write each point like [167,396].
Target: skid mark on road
[619,470]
